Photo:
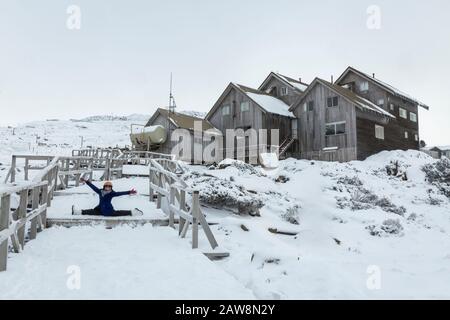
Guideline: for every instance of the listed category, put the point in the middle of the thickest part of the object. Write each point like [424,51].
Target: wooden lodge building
[355,117]
[351,119]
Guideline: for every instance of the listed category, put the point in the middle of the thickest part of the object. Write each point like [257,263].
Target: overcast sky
[119,61]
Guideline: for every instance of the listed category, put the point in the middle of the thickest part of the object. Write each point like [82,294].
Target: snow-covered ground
[373,229]
[120,263]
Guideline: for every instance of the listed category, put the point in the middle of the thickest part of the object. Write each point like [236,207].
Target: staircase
[285,145]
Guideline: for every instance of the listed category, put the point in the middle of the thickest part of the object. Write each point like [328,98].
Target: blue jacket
[105,205]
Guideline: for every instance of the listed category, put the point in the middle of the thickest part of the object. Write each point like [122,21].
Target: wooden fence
[167,185]
[111,161]
[34,199]
[69,168]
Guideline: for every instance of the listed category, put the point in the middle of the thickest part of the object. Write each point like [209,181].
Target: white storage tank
[152,134]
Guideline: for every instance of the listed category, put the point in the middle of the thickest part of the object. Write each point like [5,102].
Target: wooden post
[4,224]
[34,205]
[13,168]
[44,201]
[182,202]
[66,177]
[21,214]
[195,212]
[171,202]
[108,169]
[77,176]
[27,165]
[150,190]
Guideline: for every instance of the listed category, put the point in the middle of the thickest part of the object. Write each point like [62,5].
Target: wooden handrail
[167,184]
[37,194]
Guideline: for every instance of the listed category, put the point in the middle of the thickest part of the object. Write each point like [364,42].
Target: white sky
[120,60]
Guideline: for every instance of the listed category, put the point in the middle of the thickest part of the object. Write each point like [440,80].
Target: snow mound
[224,194]
[242,167]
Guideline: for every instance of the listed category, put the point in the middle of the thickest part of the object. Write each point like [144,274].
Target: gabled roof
[293,83]
[180,120]
[394,91]
[350,96]
[266,102]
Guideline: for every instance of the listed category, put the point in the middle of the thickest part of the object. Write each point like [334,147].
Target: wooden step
[109,222]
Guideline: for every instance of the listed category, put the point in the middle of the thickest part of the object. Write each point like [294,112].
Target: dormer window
[226,110]
[245,106]
[364,86]
[332,102]
[283,91]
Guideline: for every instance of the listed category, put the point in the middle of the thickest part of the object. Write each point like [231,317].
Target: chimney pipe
[332,80]
[300,79]
[373,75]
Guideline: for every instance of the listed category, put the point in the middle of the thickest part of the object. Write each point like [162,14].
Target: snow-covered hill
[378,228]
[61,136]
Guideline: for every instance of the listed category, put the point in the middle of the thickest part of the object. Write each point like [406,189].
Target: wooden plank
[21,214]
[107,221]
[4,224]
[216,255]
[34,205]
[207,230]
[195,214]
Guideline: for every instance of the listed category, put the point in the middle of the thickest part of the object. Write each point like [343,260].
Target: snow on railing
[164,180]
[69,167]
[34,199]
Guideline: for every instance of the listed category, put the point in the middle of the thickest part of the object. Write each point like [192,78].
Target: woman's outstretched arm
[123,193]
[96,190]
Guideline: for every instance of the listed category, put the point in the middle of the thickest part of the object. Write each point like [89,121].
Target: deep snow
[357,224]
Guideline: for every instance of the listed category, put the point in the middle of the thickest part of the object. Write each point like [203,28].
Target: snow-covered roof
[180,120]
[359,101]
[266,101]
[385,85]
[294,83]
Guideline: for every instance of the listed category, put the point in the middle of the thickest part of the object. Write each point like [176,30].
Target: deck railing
[34,199]
[70,168]
[167,185]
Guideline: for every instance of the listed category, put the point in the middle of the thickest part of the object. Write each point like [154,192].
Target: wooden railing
[34,199]
[111,161]
[99,153]
[69,168]
[167,185]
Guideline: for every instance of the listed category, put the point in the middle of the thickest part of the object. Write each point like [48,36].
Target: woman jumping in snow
[105,207]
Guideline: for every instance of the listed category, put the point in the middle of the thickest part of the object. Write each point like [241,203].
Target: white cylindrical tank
[152,134]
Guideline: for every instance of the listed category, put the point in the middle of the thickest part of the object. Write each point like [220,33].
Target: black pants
[97,212]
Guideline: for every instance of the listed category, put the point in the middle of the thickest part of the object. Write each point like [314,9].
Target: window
[416,137]
[392,107]
[379,132]
[310,105]
[245,106]
[413,117]
[403,113]
[364,86]
[305,107]
[380,102]
[332,129]
[226,110]
[283,91]
[406,135]
[332,102]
